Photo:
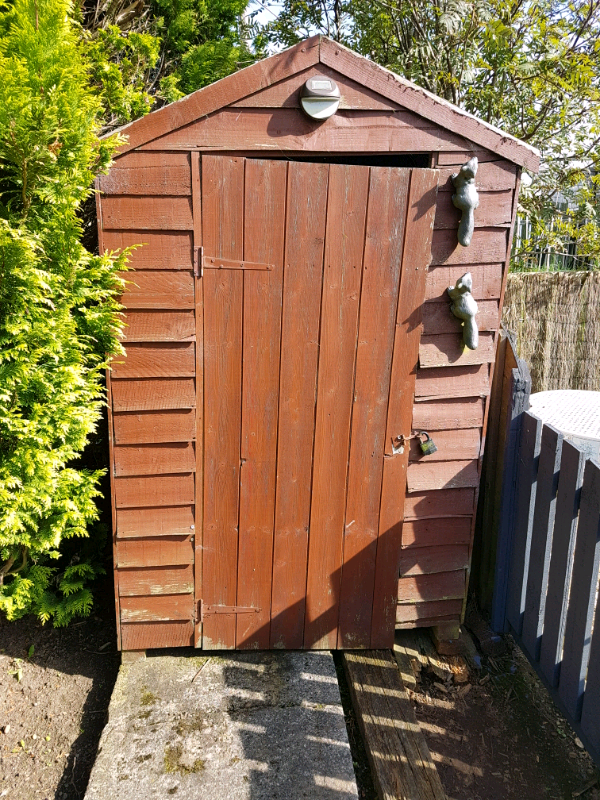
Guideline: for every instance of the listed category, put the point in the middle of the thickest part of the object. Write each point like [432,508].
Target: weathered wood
[590,714]
[428,560]
[411,612]
[448,349]
[162,250]
[492,176]
[583,594]
[156,580]
[437,318]
[154,552]
[152,427]
[442,503]
[434,532]
[264,238]
[306,211]
[223,235]
[437,415]
[145,635]
[155,459]
[159,289]
[494,211]
[529,449]
[570,479]
[382,260]
[163,521]
[422,476]
[447,382]
[150,360]
[147,213]
[488,246]
[154,490]
[541,540]
[457,159]
[148,174]
[487,281]
[157,608]
[439,586]
[159,326]
[416,257]
[400,760]
[156,394]
[344,244]
[460,445]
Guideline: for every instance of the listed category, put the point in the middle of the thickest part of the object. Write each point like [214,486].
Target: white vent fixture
[320,97]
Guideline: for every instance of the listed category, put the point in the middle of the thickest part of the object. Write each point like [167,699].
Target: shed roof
[322,50]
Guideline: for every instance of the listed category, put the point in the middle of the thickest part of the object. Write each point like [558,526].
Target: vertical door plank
[223,235]
[344,241]
[303,277]
[590,714]
[415,260]
[582,598]
[386,218]
[541,540]
[561,561]
[264,227]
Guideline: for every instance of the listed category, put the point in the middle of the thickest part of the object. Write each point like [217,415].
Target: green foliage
[58,314]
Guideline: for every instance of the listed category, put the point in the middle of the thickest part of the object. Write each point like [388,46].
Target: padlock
[428,446]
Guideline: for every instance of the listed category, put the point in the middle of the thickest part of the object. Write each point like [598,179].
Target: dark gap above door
[405,160]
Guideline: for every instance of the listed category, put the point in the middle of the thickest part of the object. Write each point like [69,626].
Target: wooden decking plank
[400,760]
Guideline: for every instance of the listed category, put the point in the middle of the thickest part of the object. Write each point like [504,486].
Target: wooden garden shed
[287,321]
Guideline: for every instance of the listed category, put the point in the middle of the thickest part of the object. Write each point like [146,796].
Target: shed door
[311,278]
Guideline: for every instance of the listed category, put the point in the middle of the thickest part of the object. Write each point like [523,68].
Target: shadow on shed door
[310,283]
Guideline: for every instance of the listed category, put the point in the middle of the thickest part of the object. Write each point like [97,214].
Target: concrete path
[235,726]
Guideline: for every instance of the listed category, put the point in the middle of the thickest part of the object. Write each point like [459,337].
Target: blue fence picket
[561,561]
[526,481]
[541,539]
[582,597]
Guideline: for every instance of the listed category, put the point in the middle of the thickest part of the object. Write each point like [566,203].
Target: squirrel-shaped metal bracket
[464,308]
[466,199]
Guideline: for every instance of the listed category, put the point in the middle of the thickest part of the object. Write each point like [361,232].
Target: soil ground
[500,739]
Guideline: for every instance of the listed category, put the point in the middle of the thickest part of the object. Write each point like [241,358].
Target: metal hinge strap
[206,610]
[198,261]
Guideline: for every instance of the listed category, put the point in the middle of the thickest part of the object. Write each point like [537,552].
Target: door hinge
[199,262]
[205,610]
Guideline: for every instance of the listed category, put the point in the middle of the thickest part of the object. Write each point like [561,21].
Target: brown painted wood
[386,217]
[223,235]
[113,505]
[157,608]
[289,129]
[155,459]
[495,210]
[456,158]
[400,760]
[156,580]
[152,427]
[434,532]
[451,446]
[147,213]
[448,382]
[441,503]
[155,490]
[448,349]
[148,174]
[422,476]
[167,551]
[416,256]
[438,558]
[439,415]
[411,612]
[492,176]
[159,289]
[437,318]
[154,250]
[264,238]
[153,394]
[306,211]
[165,521]
[487,281]
[145,635]
[439,586]
[159,326]
[286,93]
[150,360]
[344,243]
[212,262]
[488,246]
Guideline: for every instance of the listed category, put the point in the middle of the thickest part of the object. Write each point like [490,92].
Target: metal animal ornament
[464,308]
[466,199]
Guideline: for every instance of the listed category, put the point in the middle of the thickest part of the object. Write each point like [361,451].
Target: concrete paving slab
[234,726]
